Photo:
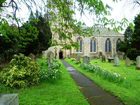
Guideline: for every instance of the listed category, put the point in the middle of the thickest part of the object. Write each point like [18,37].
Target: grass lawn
[60,92]
[128,91]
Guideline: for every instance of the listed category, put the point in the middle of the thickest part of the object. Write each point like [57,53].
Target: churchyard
[51,56]
[55,87]
[116,77]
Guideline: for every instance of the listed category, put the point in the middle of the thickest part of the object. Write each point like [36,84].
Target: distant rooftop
[102,31]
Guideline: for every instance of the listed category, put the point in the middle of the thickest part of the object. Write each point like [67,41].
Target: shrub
[51,72]
[54,72]
[21,72]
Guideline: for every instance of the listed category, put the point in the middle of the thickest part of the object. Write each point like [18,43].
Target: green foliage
[132,39]
[75,61]
[32,37]
[15,40]
[52,72]
[62,92]
[8,40]
[28,34]
[21,72]
[128,91]
[44,38]
[112,77]
[125,45]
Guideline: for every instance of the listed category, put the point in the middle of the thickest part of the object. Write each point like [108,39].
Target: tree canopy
[132,39]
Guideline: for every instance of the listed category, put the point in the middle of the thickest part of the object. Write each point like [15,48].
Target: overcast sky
[122,9]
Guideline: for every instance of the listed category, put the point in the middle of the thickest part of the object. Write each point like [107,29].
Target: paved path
[94,94]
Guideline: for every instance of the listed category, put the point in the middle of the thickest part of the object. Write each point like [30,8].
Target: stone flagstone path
[93,93]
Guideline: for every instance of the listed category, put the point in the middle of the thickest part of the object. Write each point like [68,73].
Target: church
[103,41]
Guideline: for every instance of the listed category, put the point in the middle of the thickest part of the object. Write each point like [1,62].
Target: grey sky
[122,9]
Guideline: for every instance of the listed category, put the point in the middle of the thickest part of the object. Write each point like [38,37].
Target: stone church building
[104,41]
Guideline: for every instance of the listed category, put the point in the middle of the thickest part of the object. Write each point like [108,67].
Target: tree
[28,34]
[13,42]
[126,44]
[44,37]
[132,40]
[8,40]
[135,41]
[136,35]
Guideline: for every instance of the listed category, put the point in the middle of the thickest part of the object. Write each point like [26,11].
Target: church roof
[105,32]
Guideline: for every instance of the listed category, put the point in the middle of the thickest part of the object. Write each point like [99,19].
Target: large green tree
[135,41]
[44,37]
[132,40]
[15,40]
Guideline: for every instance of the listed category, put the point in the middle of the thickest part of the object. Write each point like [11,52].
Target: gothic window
[80,43]
[117,44]
[93,45]
[108,45]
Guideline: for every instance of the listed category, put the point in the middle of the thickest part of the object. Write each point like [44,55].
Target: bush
[52,72]
[21,72]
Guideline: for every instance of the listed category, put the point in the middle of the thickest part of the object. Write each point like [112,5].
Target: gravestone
[103,58]
[138,62]
[86,59]
[50,57]
[116,61]
[100,55]
[9,99]
[78,57]
[127,61]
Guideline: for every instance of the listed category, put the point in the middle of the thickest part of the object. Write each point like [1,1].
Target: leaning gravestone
[116,61]
[127,61]
[138,62]
[9,99]
[86,59]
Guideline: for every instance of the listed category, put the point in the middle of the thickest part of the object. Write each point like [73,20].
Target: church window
[93,45]
[80,44]
[108,45]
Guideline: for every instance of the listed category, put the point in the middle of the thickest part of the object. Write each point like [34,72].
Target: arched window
[117,44]
[80,43]
[93,45]
[108,45]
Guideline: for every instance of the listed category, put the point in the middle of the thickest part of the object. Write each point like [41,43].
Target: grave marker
[116,61]
[86,59]
[138,62]
[9,99]
[127,61]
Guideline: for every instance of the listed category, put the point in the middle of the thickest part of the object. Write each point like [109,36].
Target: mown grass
[128,91]
[60,92]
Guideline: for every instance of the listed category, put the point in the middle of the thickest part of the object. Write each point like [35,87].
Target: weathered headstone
[103,58]
[116,61]
[86,59]
[9,99]
[50,57]
[138,62]
[78,57]
[127,61]
[100,55]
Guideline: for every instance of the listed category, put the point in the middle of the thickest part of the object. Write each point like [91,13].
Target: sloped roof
[105,32]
